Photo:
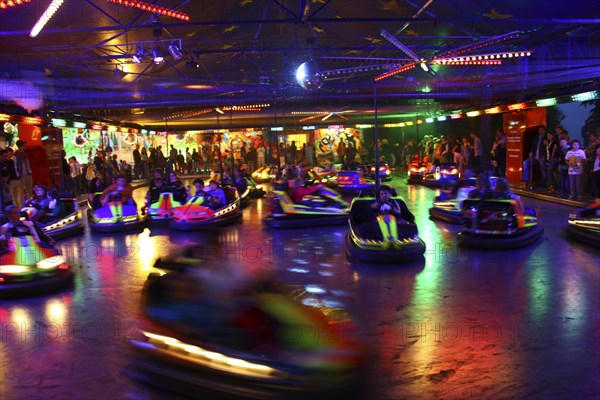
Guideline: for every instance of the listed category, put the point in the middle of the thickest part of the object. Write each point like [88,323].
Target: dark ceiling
[248,51]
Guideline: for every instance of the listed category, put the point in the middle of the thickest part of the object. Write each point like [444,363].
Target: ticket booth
[44,151]
[520,128]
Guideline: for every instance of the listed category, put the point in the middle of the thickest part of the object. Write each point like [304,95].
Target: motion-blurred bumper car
[196,215]
[584,225]
[115,217]
[205,332]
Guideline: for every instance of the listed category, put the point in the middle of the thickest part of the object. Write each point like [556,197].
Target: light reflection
[315,289]
[56,311]
[540,288]
[20,316]
[148,250]
[574,304]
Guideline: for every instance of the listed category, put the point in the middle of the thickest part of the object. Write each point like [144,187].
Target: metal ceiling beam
[554,21]
[286,10]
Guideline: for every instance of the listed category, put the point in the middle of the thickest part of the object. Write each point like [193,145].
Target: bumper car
[444,175]
[385,174]
[197,336]
[161,211]
[29,269]
[256,190]
[263,175]
[447,207]
[115,217]
[195,215]
[324,177]
[381,238]
[328,208]
[353,182]
[498,224]
[584,225]
[68,226]
[417,171]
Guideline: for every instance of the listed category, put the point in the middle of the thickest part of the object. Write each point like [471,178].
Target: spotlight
[157,55]
[175,50]
[139,55]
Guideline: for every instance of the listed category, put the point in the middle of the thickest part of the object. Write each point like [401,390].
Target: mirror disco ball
[308,76]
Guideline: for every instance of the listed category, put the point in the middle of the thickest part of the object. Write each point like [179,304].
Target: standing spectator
[293,153]
[188,160]
[445,156]
[477,153]
[260,155]
[180,163]
[341,151]
[590,151]
[67,185]
[10,181]
[563,168]
[575,159]
[456,151]
[76,176]
[251,156]
[466,152]
[137,162]
[24,171]
[173,159]
[144,159]
[195,161]
[310,151]
[536,155]
[205,151]
[552,158]
[596,172]
[499,151]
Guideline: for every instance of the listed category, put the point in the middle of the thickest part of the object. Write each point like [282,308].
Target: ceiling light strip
[395,72]
[152,8]
[484,43]
[8,4]
[46,16]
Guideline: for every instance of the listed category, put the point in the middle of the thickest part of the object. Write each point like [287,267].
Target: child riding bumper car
[29,263]
[382,230]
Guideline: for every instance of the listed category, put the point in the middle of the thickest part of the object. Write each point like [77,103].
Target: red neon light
[152,8]
[7,4]
[395,72]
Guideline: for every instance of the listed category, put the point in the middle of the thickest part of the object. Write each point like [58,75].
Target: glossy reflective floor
[464,324]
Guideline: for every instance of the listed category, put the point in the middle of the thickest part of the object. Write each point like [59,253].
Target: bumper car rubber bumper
[449,216]
[61,280]
[400,256]
[521,238]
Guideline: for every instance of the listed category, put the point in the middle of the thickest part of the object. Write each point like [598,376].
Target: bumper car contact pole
[377,180]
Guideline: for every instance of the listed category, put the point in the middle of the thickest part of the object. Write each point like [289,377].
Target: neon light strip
[453,61]
[152,8]
[395,72]
[7,4]
[52,8]
[478,45]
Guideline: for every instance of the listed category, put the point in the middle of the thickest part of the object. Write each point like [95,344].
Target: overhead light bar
[429,120]
[6,4]
[189,114]
[586,96]
[551,101]
[462,61]
[392,39]
[250,107]
[493,110]
[364,126]
[59,122]
[441,118]
[46,16]
[473,113]
[517,106]
[455,116]
[484,43]
[308,128]
[79,125]
[219,110]
[327,117]
[424,66]
[277,129]
[356,70]
[152,9]
[395,72]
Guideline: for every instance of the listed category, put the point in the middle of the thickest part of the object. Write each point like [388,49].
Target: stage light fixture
[139,56]
[157,55]
[175,50]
